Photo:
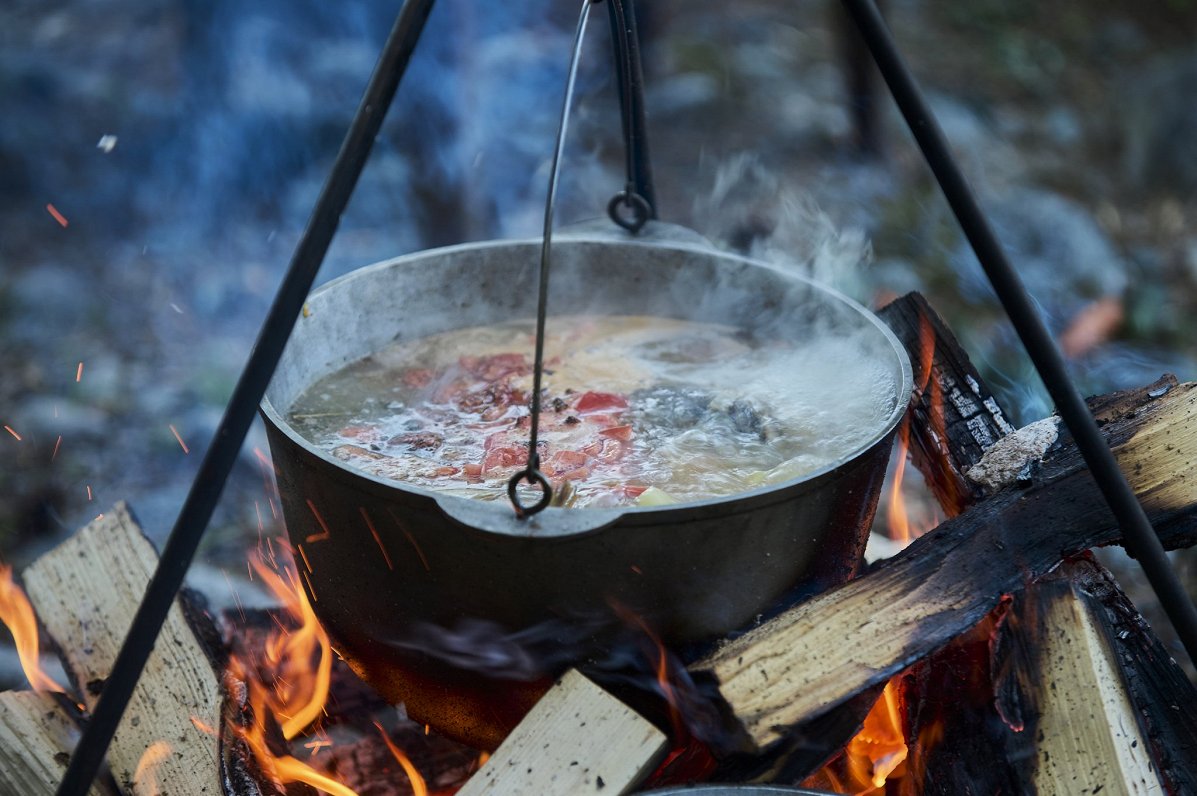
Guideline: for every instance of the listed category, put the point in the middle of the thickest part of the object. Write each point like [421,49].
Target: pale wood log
[36,738]
[1089,738]
[85,592]
[801,664]
[578,739]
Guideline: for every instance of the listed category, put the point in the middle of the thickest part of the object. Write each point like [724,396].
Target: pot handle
[550,523]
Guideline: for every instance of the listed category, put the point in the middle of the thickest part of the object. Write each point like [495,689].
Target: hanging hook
[639,196]
[531,473]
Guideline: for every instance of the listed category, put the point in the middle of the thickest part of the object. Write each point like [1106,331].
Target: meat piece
[671,408]
[746,420]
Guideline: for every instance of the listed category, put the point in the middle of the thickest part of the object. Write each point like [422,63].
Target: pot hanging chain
[531,473]
[637,197]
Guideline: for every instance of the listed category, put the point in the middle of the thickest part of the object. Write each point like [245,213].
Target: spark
[411,540]
[79,373]
[199,724]
[15,434]
[304,556]
[311,590]
[182,444]
[174,306]
[107,143]
[318,537]
[54,455]
[98,518]
[265,461]
[317,745]
[59,217]
[377,539]
[88,491]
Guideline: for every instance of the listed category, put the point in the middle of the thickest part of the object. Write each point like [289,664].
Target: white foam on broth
[636,409]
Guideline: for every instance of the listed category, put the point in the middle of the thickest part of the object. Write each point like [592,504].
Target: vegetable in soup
[636,410]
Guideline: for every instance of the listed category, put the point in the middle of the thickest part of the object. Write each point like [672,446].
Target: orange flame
[661,667]
[418,787]
[17,615]
[879,751]
[289,681]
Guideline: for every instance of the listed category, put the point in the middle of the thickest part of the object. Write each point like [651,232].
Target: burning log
[799,666]
[1088,736]
[578,739]
[1100,704]
[953,416]
[85,592]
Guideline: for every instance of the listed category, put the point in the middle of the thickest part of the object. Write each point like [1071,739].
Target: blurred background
[159,158]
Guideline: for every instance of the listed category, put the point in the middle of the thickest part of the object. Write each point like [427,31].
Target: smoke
[751,210]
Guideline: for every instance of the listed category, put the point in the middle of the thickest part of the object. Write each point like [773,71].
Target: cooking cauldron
[693,571]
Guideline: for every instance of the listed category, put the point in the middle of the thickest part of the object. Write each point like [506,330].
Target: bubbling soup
[635,410]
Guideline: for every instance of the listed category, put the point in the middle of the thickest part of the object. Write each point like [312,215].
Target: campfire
[990,653]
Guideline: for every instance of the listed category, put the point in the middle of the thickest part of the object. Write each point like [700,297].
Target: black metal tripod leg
[243,405]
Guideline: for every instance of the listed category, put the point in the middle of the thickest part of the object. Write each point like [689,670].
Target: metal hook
[641,210]
[532,475]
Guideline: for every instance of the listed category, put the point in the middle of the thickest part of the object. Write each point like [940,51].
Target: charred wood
[1116,712]
[953,416]
[800,665]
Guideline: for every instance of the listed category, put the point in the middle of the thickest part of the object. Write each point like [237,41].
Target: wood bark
[85,592]
[801,664]
[953,417]
[577,739]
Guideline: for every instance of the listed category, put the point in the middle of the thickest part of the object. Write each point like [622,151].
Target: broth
[636,410]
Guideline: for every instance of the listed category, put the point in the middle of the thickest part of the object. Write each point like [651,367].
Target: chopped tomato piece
[633,491]
[564,461]
[472,470]
[361,433]
[495,366]
[504,457]
[580,474]
[600,402]
[623,433]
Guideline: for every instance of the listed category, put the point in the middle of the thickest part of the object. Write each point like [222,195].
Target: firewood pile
[1017,663]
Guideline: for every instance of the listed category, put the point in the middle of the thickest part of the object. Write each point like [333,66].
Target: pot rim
[542,523]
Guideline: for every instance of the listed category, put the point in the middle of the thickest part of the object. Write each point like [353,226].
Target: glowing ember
[17,615]
[79,373]
[9,429]
[57,443]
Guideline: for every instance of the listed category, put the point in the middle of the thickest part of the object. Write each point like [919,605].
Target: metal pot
[693,571]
